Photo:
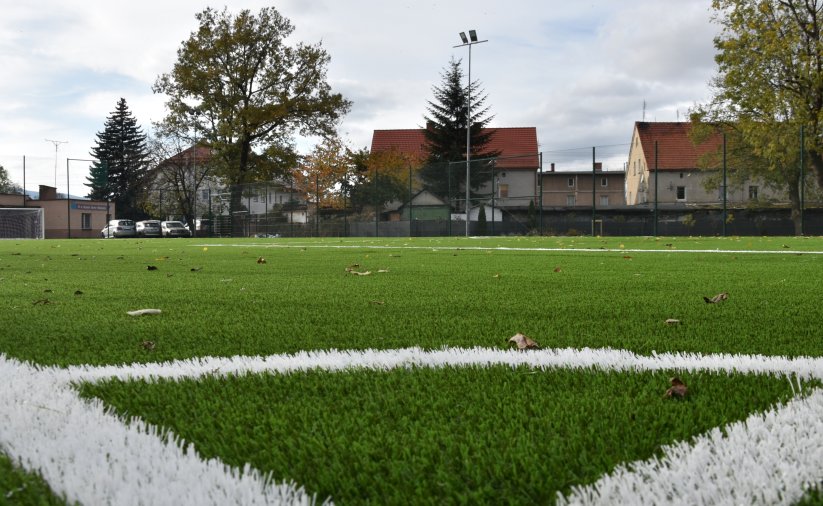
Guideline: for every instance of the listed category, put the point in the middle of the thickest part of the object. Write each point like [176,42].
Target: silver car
[149,228]
[118,228]
[174,229]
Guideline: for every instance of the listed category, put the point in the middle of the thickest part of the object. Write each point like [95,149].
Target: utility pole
[56,146]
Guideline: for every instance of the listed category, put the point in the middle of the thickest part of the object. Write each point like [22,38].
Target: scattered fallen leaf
[717,298]
[352,267]
[497,276]
[196,269]
[261,260]
[672,321]
[382,271]
[78,292]
[786,246]
[47,290]
[169,275]
[151,268]
[364,273]
[557,269]
[142,312]
[42,302]
[523,342]
[378,302]
[627,257]
[678,389]
[669,245]
[147,345]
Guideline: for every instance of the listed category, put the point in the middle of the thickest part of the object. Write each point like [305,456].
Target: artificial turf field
[422,432]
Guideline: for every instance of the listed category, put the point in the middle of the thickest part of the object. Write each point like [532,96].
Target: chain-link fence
[575,191]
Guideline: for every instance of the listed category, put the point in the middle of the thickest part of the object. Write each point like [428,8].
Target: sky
[580,72]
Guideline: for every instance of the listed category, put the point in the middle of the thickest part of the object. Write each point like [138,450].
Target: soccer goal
[22,223]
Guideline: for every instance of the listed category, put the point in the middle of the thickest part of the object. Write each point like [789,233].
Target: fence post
[541,193]
[656,172]
[802,178]
[724,184]
[594,180]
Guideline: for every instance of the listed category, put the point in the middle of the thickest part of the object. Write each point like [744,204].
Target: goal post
[22,223]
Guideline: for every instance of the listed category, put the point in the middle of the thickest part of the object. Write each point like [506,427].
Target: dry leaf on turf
[261,260]
[378,302]
[678,389]
[672,321]
[717,298]
[142,312]
[147,345]
[151,268]
[365,273]
[523,342]
[78,292]
[557,269]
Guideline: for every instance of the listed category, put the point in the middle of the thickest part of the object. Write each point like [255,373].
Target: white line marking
[48,428]
[506,248]
[92,457]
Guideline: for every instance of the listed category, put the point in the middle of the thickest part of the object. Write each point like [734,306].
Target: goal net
[21,223]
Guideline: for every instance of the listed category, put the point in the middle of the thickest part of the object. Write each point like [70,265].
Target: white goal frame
[22,223]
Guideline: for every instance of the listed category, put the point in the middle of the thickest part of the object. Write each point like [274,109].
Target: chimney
[598,166]
[552,169]
[47,193]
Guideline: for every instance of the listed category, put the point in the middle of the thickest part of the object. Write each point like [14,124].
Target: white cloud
[579,72]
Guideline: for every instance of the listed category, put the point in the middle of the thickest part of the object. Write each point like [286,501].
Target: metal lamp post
[470,41]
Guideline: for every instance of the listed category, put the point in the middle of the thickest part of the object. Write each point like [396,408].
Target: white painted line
[332,360]
[505,248]
[92,457]
[769,459]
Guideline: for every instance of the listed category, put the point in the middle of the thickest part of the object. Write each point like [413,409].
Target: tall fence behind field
[565,192]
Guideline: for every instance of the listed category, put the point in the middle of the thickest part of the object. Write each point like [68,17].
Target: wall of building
[572,189]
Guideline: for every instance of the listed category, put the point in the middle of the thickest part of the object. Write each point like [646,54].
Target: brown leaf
[261,260]
[196,269]
[78,292]
[627,257]
[523,342]
[378,302]
[678,389]
[557,269]
[717,298]
[42,301]
[352,267]
[147,345]
[151,268]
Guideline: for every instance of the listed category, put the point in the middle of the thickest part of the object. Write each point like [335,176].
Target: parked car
[118,228]
[149,228]
[174,229]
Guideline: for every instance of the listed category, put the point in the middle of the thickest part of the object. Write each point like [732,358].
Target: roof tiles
[675,150]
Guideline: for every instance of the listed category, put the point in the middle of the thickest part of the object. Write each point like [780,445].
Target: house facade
[514,180]
[65,218]
[677,179]
[565,189]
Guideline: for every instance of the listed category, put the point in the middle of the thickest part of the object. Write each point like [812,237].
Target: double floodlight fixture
[472,36]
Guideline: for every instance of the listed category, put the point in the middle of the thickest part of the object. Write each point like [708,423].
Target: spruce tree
[120,171]
[446,136]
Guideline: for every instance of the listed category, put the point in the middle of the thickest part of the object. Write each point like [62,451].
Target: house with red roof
[514,184]
[677,178]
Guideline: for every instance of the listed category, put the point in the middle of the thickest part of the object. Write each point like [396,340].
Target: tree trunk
[236,190]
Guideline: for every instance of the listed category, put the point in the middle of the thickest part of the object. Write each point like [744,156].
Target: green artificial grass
[21,488]
[468,435]
[65,302]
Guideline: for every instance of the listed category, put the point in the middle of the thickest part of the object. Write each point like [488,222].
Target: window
[571,182]
[681,193]
[503,190]
[681,175]
[604,200]
[85,221]
[204,194]
[570,200]
[752,192]
[604,182]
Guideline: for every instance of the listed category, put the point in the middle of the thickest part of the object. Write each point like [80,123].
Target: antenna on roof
[644,110]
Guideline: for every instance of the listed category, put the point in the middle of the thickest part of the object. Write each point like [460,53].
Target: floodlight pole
[56,146]
[470,43]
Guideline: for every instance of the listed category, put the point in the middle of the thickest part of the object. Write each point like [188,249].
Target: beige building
[574,188]
[678,179]
[65,218]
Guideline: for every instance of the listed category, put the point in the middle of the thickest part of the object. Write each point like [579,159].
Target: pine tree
[446,136]
[120,171]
